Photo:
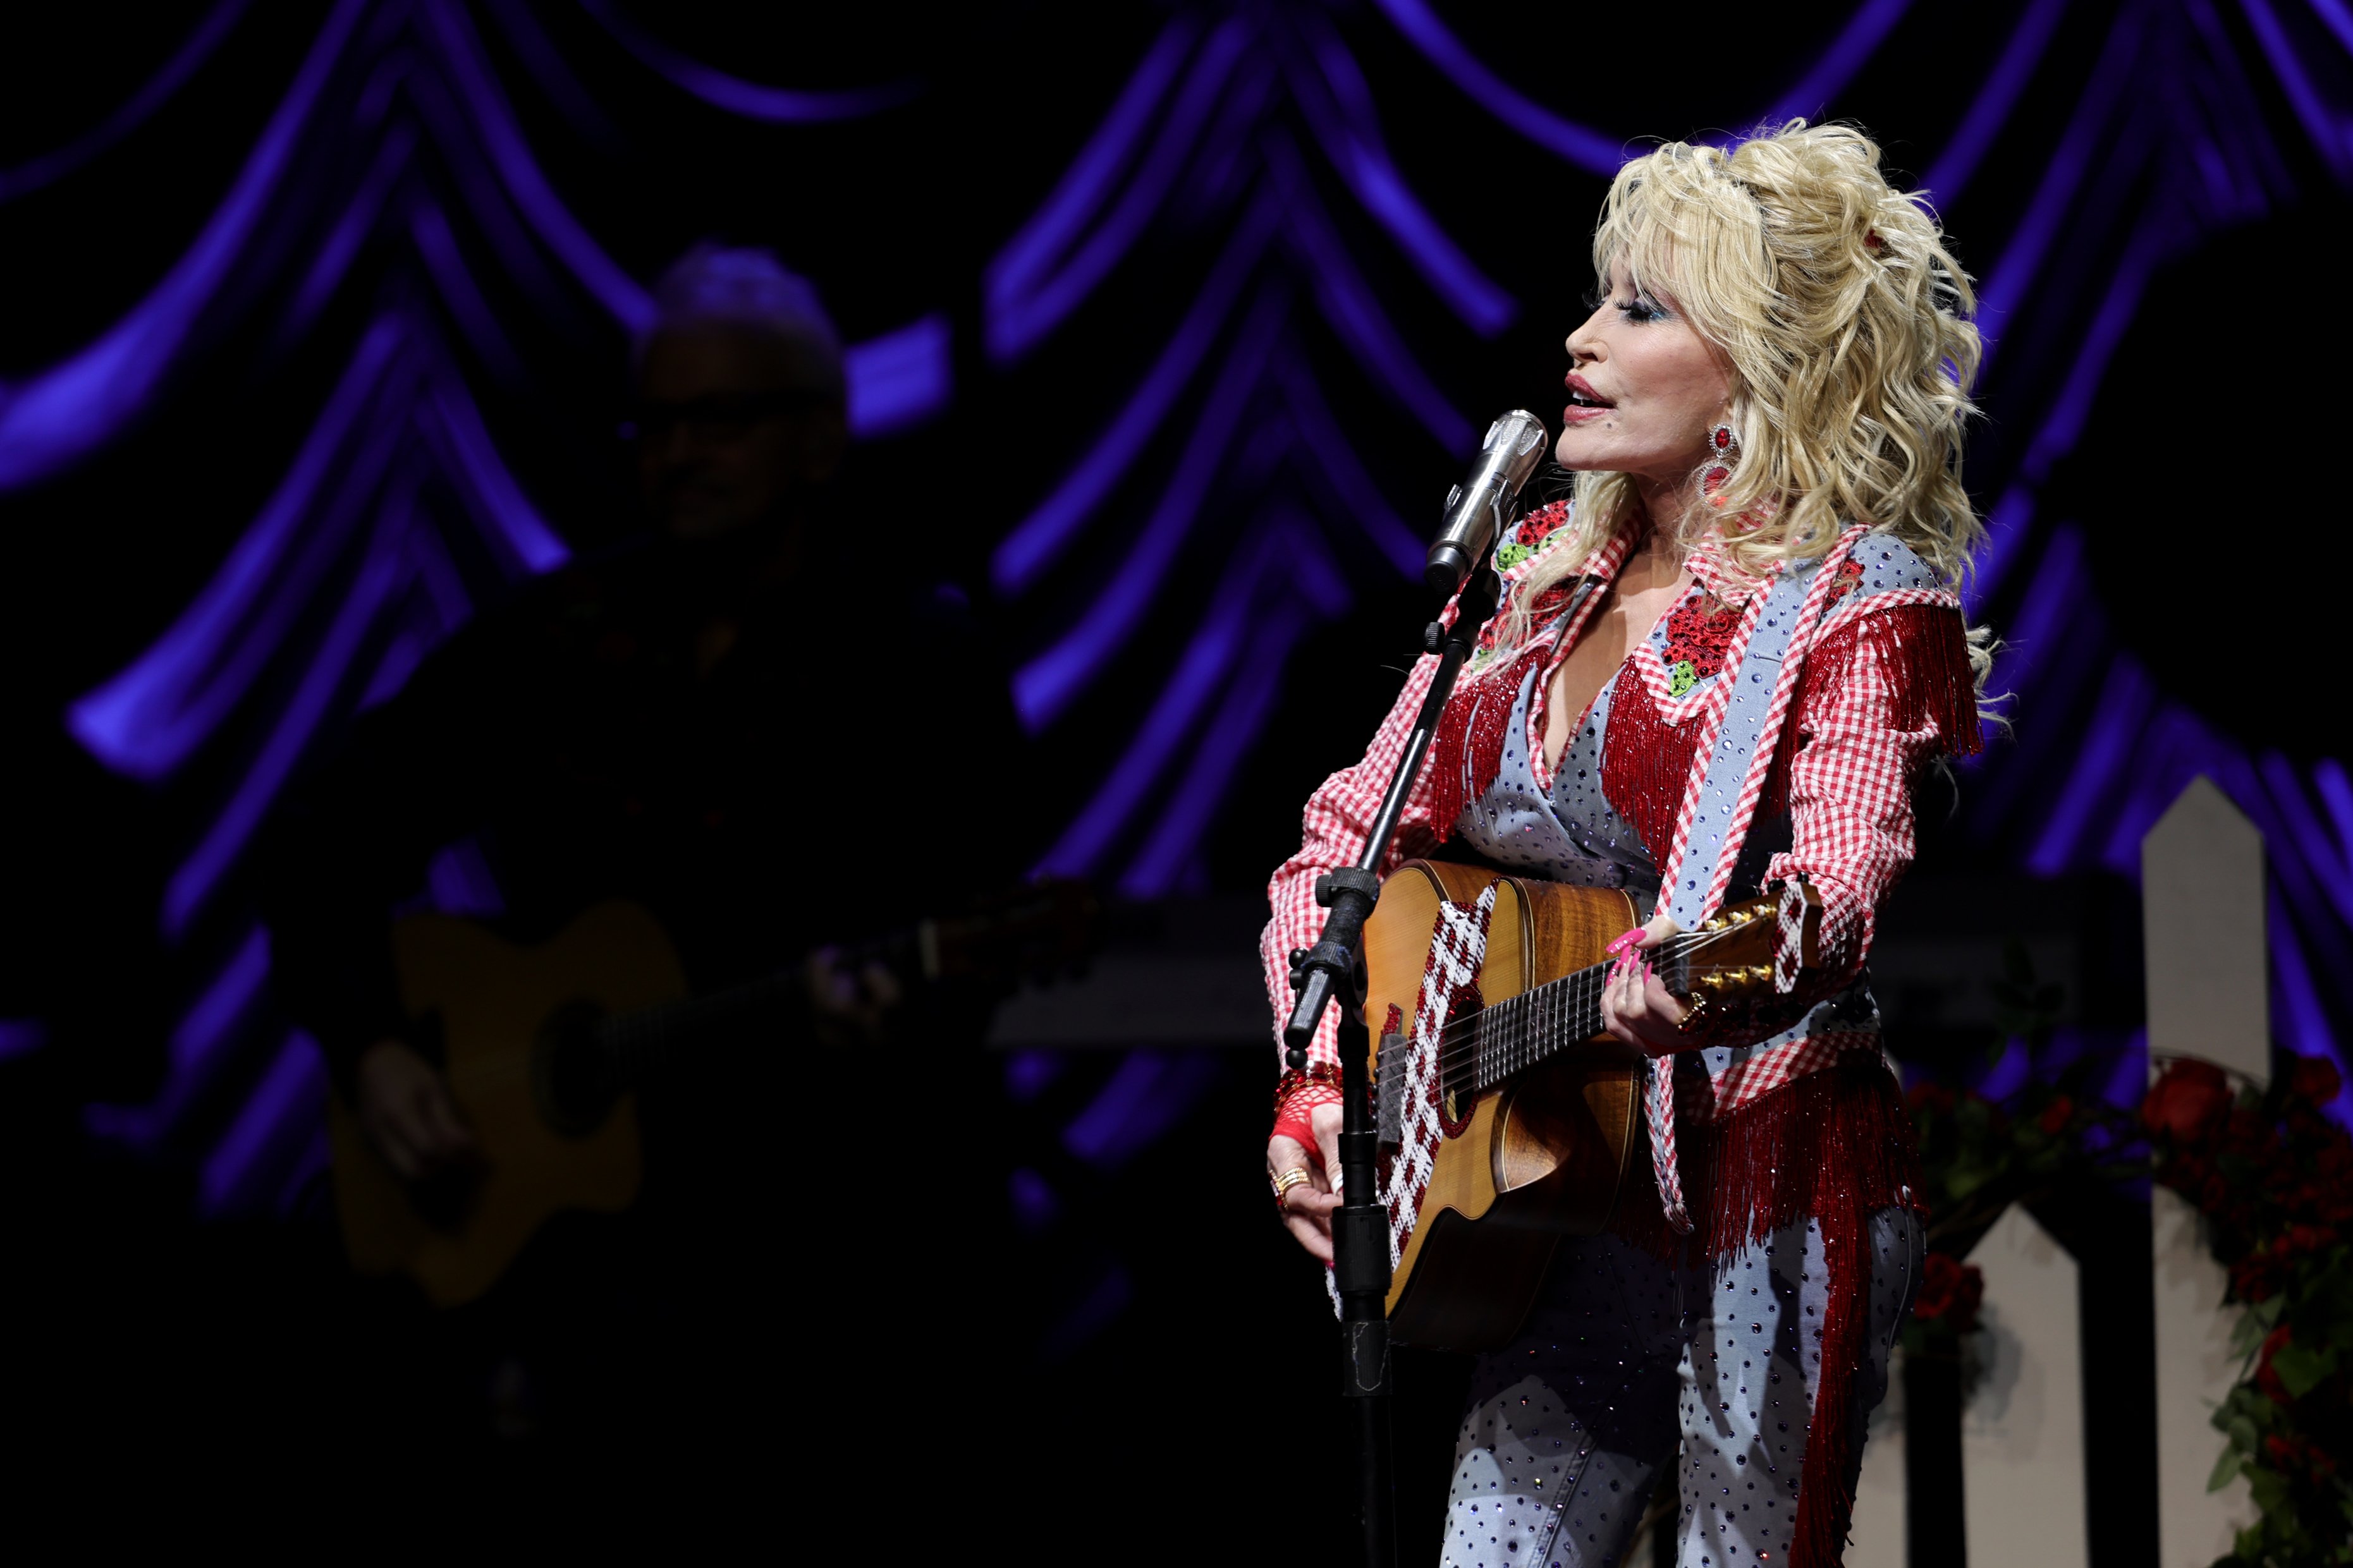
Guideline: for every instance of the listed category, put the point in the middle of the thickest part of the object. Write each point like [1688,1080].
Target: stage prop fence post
[2209,997]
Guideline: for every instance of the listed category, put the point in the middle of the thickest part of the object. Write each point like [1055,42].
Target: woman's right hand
[1307,1206]
[406,1110]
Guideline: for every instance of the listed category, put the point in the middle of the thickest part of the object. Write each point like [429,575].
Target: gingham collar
[1713,570]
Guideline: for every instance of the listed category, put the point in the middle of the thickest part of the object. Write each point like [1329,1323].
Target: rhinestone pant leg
[1570,1425]
[1748,1378]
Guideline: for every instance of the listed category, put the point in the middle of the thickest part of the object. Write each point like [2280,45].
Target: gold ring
[1293,1177]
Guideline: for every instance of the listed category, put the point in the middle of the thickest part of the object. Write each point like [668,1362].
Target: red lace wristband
[1324,1074]
[1298,1129]
[1296,1098]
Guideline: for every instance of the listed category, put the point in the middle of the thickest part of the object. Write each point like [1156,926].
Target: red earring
[1723,452]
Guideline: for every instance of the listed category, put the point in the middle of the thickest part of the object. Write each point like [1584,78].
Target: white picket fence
[2024,1427]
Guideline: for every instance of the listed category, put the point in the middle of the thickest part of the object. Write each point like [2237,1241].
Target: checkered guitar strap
[1449,986]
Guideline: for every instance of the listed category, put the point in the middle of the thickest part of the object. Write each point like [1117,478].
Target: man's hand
[405,1110]
[850,1007]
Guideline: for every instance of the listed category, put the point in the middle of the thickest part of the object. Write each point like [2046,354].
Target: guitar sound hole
[575,1077]
[445,1199]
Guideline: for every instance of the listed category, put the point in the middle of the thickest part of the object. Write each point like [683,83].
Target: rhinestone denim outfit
[1626,1360]
[1624,1357]
[1791,1147]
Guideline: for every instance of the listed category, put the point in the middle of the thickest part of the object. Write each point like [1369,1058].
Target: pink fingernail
[1625,944]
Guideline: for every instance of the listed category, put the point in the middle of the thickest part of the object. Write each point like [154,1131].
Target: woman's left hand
[1635,1007]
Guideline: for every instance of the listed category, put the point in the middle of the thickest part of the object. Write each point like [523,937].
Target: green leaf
[2302,1369]
[2249,1403]
[2247,1334]
[2226,1468]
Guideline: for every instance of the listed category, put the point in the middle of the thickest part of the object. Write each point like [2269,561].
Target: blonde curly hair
[1845,323]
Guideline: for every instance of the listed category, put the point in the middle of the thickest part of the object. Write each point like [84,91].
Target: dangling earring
[1723,452]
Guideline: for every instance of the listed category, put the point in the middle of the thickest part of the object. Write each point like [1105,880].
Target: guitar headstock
[1732,956]
[1035,930]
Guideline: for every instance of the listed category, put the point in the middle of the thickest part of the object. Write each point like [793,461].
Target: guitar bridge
[1390,1073]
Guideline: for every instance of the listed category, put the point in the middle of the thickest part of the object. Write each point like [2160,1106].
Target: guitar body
[1536,1158]
[499,1009]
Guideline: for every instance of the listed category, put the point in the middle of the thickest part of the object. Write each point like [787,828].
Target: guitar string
[628,1035]
[1485,1050]
[1679,948]
[1462,1030]
[1469,1043]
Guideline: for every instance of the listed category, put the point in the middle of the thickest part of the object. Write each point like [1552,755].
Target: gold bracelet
[1324,1073]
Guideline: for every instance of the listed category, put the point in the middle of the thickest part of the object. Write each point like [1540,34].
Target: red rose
[1968,1297]
[2056,1115]
[1939,1277]
[2188,1099]
[2265,1378]
[2251,1279]
[1933,1098]
[1949,1289]
[2315,1078]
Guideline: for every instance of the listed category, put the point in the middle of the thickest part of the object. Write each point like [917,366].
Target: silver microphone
[1475,511]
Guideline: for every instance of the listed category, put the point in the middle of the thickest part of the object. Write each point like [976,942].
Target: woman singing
[1757,562]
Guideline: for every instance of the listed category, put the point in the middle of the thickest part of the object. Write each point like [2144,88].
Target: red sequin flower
[1699,632]
[1541,524]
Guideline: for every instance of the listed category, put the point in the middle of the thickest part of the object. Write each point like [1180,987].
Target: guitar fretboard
[1520,1032]
[633,1043]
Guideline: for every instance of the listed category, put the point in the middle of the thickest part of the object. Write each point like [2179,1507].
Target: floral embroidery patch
[1527,541]
[1698,634]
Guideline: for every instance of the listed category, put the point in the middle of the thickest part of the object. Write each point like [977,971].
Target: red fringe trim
[1925,651]
[1833,1146]
[1646,762]
[1467,751]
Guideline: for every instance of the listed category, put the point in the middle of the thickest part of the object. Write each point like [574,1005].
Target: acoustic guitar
[541,1044]
[1535,1106]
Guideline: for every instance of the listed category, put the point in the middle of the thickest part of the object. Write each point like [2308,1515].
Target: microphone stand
[1333,972]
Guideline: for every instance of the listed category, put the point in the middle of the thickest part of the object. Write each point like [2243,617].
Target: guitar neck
[1047,925]
[634,1044]
[1524,1031]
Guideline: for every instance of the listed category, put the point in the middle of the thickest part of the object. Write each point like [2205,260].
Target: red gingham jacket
[1881,698]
